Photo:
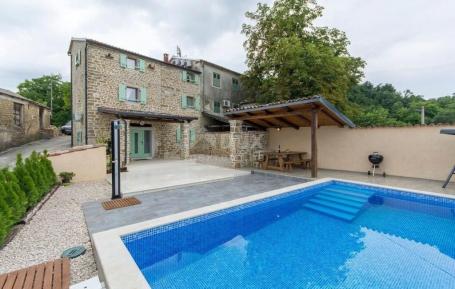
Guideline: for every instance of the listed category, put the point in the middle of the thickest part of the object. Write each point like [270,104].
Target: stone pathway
[58,225]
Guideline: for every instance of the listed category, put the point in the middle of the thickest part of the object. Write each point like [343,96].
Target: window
[216,107]
[17,114]
[216,81]
[132,94]
[131,63]
[190,101]
[235,84]
[190,77]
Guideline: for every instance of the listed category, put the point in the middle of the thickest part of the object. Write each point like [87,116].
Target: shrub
[11,197]
[12,179]
[22,188]
[50,175]
[26,182]
[66,177]
[3,228]
[33,167]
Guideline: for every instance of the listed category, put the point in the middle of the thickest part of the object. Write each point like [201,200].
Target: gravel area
[58,225]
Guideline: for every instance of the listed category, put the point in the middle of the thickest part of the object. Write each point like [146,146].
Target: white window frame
[130,61]
[127,96]
[213,79]
[193,100]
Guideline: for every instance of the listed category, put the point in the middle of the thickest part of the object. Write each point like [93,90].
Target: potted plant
[66,177]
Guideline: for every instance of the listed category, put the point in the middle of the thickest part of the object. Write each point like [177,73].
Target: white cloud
[408,43]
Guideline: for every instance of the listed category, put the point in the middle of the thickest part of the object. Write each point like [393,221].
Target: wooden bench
[49,275]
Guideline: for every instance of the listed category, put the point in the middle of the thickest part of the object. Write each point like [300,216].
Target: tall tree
[288,56]
[39,89]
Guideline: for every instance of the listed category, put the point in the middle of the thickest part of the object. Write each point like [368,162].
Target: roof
[149,115]
[219,66]
[20,97]
[292,113]
[217,117]
[96,42]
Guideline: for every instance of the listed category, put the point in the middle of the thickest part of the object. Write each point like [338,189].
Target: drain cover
[73,252]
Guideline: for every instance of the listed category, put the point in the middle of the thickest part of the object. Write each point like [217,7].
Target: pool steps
[343,203]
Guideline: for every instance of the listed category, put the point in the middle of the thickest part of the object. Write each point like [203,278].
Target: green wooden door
[140,143]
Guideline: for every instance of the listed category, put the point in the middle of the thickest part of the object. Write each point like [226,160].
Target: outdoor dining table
[281,157]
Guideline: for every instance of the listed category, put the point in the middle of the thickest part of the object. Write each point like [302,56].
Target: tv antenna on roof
[179,51]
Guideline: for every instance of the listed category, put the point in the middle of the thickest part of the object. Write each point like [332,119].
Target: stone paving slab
[170,201]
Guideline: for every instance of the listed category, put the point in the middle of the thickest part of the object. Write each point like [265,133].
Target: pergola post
[185,140]
[314,143]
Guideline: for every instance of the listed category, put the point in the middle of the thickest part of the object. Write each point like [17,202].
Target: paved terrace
[170,201]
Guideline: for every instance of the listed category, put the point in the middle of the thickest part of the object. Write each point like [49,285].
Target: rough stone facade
[34,119]
[243,144]
[101,73]
[212,143]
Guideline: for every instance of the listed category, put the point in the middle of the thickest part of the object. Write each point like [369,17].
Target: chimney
[166,57]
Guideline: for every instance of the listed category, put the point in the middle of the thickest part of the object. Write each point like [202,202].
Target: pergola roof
[147,115]
[292,113]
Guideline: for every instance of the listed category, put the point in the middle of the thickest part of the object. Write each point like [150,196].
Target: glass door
[140,143]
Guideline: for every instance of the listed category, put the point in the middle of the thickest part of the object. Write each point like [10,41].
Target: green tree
[288,56]
[39,89]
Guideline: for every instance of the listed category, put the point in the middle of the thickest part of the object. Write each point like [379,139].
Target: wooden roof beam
[293,125]
[265,116]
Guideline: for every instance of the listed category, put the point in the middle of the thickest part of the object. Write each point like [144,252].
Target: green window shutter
[122,92]
[196,79]
[197,103]
[142,65]
[143,95]
[123,60]
[192,135]
[184,102]
[178,135]
[184,77]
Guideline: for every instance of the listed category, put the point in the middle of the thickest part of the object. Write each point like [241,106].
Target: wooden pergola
[303,112]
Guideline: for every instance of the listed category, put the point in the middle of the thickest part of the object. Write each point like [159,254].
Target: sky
[408,43]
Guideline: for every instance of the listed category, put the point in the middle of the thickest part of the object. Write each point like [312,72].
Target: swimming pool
[397,239]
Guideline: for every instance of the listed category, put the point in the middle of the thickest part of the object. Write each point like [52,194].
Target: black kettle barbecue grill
[375,159]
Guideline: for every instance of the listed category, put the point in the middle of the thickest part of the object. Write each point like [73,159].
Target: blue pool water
[398,240]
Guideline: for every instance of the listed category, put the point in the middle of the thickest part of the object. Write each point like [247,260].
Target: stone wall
[164,91]
[212,143]
[78,93]
[243,144]
[14,135]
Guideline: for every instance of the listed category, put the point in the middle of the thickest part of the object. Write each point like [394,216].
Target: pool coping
[118,268]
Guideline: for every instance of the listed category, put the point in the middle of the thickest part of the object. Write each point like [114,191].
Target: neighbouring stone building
[21,120]
[220,89]
[160,107]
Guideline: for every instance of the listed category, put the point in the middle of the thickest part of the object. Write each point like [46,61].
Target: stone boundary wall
[212,143]
[243,144]
[417,151]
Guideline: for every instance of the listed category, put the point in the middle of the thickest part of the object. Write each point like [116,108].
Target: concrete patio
[151,175]
[170,201]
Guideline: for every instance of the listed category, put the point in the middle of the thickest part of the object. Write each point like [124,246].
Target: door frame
[152,142]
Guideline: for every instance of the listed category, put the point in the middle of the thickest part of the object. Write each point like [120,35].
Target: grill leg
[449,177]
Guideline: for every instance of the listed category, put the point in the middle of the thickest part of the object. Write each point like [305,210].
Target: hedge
[22,188]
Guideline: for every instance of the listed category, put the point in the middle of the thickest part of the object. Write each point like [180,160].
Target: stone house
[21,120]
[220,89]
[159,106]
